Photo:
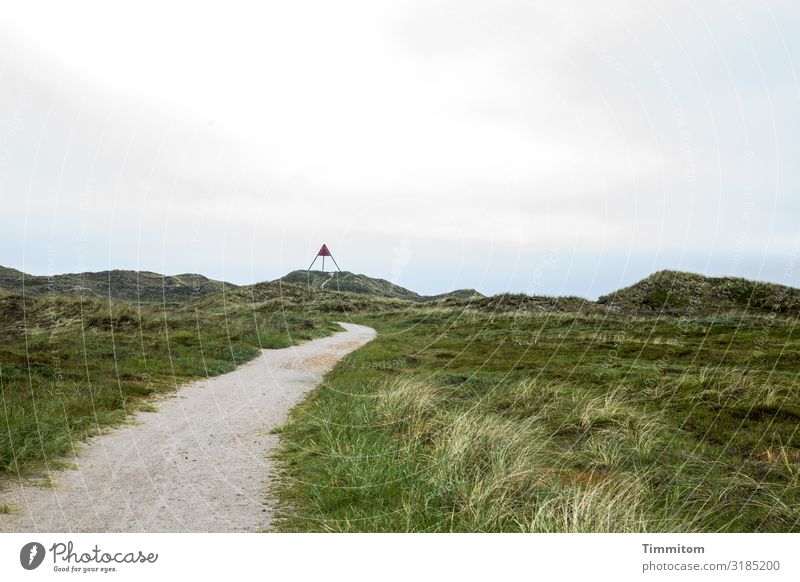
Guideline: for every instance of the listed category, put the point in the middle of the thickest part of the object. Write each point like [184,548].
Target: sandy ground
[200,464]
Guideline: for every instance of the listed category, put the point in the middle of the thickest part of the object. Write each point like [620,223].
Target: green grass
[345,281]
[472,421]
[681,293]
[71,366]
[505,413]
[136,286]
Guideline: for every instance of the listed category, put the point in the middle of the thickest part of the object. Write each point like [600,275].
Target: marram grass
[447,423]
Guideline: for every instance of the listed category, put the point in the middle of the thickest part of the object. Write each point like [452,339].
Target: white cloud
[587,126]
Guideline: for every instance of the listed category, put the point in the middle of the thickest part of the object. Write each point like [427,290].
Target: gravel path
[200,464]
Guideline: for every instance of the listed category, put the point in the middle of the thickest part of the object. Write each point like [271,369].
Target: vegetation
[479,421]
[70,366]
[672,405]
[136,286]
[345,281]
[681,293]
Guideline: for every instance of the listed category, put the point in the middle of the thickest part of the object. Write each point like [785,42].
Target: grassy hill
[457,295]
[665,292]
[350,282]
[345,281]
[141,286]
[280,295]
[519,302]
[679,292]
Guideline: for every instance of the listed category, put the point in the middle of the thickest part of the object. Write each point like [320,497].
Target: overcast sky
[533,146]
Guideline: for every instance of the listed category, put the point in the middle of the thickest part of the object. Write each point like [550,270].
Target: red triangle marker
[324,252]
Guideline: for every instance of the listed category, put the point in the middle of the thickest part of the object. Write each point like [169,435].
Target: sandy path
[199,464]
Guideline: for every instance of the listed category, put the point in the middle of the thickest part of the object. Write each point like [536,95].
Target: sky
[559,148]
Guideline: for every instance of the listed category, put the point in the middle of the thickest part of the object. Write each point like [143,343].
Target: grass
[137,286]
[345,281]
[72,366]
[679,292]
[569,422]
[506,413]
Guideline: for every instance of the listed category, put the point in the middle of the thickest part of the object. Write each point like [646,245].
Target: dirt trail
[199,464]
